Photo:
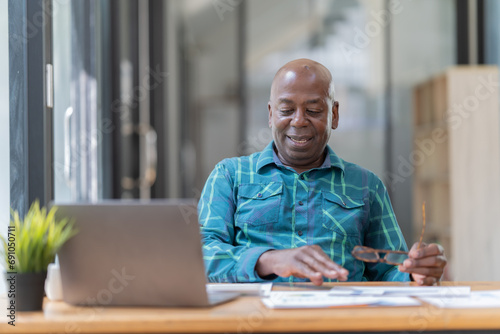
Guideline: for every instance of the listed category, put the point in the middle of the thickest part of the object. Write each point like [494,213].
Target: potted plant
[28,248]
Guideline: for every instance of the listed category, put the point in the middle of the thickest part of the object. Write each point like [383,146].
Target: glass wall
[418,51]
[4,118]
[492,32]
[4,123]
[211,96]
[79,127]
[61,21]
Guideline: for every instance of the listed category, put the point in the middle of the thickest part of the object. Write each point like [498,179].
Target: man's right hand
[303,262]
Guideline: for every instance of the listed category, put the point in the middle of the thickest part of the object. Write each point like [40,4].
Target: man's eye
[286,111]
[313,111]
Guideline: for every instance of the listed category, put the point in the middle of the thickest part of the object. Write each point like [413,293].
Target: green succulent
[37,239]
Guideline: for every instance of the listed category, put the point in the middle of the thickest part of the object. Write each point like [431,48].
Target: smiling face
[302,114]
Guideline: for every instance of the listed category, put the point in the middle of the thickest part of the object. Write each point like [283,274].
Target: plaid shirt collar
[269,156]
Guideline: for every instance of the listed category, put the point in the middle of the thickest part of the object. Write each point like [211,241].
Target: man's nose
[299,118]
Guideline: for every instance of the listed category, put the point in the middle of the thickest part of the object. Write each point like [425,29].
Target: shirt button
[259,195]
[299,233]
[301,203]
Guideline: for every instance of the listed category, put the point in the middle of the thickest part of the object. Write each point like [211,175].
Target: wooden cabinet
[456,156]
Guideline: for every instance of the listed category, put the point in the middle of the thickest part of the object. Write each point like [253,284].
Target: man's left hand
[426,265]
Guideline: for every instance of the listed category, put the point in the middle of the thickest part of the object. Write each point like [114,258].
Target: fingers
[315,258]
[426,263]
[425,250]
[431,261]
[424,280]
[306,262]
[431,272]
[304,271]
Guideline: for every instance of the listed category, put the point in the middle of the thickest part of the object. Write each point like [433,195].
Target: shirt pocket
[258,203]
[342,215]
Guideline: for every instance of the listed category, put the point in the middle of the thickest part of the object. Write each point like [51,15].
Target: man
[295,211]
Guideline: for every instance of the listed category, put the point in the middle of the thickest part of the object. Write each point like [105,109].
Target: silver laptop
[131,253]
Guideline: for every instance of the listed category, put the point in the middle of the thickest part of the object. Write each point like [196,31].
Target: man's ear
[270,113]
[335,115]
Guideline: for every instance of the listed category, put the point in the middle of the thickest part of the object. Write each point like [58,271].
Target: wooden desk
[248,315]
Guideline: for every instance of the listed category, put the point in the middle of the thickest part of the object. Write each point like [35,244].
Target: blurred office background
[149,95]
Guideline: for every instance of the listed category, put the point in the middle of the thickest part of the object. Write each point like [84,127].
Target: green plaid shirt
[254,204]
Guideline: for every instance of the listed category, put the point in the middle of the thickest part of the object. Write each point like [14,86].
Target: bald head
[302,113]
[304,68]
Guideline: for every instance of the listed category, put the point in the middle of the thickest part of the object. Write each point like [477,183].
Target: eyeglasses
[368,254]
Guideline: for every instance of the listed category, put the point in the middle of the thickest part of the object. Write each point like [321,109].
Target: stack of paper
[320,299]
[477,299]
[342,296]
[405,291]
